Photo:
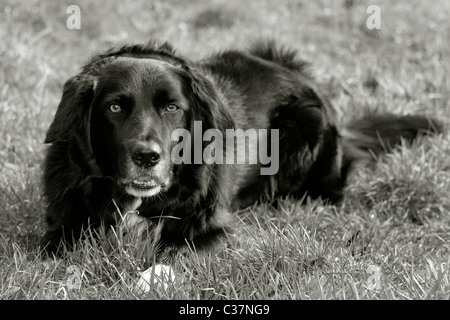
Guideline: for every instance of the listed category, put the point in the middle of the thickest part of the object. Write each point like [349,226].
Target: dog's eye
[172,108]
[115,108]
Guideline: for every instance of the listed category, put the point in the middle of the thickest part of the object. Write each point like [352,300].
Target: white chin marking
[143,193]
[157,276]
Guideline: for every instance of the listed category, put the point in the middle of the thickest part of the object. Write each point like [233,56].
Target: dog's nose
[146,154]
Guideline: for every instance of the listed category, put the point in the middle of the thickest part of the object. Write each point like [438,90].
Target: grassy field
[389,238]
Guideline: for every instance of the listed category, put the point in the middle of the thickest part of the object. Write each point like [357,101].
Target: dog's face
[137,105]
[121,111]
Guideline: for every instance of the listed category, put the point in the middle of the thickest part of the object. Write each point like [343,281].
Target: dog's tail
[369,137]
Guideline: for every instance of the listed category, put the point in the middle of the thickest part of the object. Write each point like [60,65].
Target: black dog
[112,141]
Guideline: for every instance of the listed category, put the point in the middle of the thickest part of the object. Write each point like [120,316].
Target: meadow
[388,239]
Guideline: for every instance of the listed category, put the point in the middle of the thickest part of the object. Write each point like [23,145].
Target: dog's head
[124,107]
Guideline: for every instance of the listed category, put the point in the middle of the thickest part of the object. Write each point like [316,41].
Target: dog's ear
[206,103]
[207,106]
[72,113]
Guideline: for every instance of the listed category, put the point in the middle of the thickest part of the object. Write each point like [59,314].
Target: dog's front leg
[158,275]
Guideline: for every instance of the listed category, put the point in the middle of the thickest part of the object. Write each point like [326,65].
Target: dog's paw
[157,276]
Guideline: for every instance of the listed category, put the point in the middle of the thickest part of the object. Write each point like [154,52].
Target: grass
[389,238]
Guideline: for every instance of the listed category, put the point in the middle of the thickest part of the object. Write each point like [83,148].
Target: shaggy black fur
[93,159]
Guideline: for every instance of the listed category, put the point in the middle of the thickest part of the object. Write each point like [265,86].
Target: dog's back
[269,87]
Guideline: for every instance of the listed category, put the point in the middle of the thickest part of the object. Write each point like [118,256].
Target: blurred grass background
[401,206]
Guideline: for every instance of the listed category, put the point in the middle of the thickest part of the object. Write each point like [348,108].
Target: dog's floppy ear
[72,113]
[207,104]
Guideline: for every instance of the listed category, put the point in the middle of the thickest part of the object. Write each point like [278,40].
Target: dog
[111,153]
